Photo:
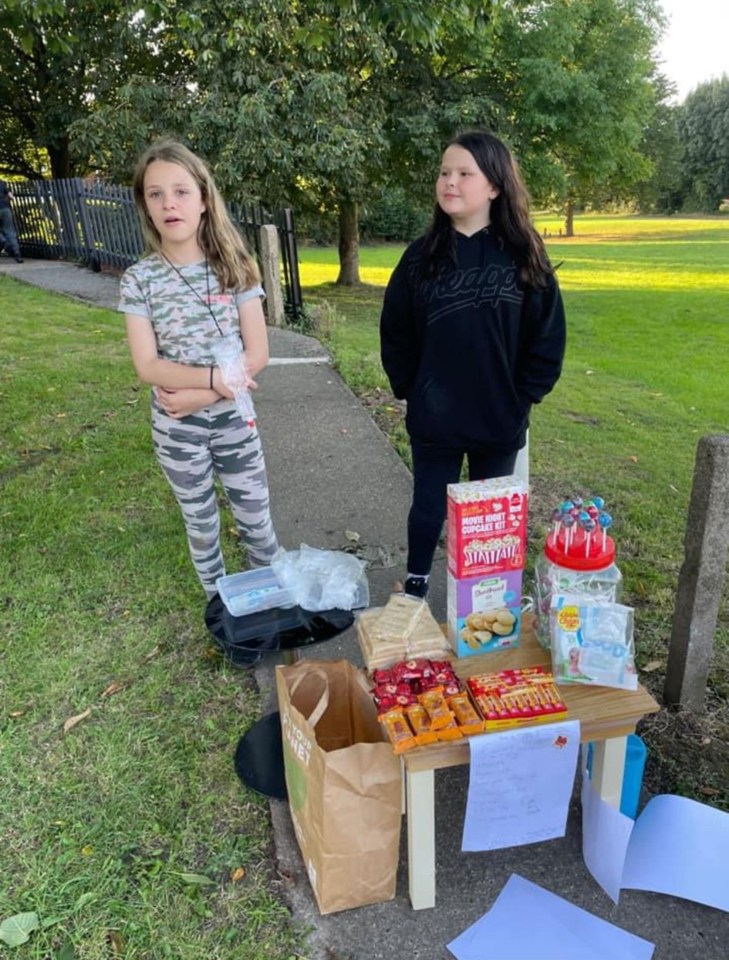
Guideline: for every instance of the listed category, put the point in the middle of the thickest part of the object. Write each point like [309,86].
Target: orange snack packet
[420,722]
[450,732]
[466,715]
[434,702]
[398,730]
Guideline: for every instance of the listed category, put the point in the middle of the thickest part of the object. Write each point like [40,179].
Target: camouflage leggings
[191,451]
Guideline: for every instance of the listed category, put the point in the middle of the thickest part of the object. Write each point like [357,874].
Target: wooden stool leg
[608,766]
[421,838]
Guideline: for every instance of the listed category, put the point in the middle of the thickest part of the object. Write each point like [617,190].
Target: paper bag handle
[318,712]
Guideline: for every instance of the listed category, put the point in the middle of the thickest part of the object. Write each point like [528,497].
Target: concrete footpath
[332,471]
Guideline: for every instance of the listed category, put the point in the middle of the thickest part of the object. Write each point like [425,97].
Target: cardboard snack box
[484,613]
[486,526]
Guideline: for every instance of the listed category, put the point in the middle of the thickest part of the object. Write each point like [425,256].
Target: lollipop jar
[579,567]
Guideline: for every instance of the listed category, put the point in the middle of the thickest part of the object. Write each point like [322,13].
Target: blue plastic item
[635,757]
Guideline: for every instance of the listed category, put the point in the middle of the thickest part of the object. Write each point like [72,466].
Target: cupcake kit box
[486,527]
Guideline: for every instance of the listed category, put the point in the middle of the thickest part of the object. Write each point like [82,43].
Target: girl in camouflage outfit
[196,284]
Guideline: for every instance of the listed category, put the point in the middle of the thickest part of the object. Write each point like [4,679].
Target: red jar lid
[578,557]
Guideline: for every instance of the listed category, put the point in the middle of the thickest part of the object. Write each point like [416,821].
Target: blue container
[635,756]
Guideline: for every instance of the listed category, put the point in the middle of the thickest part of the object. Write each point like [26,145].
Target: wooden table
[606,718]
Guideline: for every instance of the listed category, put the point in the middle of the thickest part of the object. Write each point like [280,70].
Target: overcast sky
[695,46]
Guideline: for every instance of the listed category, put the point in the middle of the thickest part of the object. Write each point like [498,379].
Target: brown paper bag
[344,783]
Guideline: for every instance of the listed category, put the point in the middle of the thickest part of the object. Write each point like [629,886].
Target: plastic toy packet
[592,642]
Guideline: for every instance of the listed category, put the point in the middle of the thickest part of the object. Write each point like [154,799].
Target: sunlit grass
[607,253]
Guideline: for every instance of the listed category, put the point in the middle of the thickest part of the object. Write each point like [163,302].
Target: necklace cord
[187,283]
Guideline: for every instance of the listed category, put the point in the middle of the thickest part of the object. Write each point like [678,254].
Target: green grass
[104,829]
[647,302]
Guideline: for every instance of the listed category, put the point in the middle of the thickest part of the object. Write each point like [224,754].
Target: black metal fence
[96,223]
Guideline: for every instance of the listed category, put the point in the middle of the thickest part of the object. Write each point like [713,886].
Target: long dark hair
[509,213]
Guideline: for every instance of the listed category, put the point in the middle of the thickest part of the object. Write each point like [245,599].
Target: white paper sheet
[556,930]
[605,836]
[681,847]
[520,785]
[676,846]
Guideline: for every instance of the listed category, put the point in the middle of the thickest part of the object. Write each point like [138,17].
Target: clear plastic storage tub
[252,591]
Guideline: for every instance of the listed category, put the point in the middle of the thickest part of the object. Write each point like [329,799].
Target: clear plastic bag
[322,579]
[592,642]
[230,357]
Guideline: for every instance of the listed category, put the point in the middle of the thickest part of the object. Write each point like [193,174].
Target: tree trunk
[569,221]
[348,243]
[60,157]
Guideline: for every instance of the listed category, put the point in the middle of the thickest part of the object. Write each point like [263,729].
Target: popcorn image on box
[486,528]
[484,613]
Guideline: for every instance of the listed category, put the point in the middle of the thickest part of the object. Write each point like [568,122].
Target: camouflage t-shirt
[183,324]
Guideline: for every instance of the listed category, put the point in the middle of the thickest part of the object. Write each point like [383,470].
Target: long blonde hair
[221,243]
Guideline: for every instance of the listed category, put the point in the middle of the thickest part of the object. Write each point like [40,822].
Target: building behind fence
[96,224]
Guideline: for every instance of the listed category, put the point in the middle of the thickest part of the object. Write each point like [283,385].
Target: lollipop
[568,521]
[599,502]
[605,521]
[577,502]
[589,526]
[556,517]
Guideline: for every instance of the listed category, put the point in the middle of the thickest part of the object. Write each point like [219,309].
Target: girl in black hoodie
[472,333]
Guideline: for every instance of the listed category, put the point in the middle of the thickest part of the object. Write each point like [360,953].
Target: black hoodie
[470,349]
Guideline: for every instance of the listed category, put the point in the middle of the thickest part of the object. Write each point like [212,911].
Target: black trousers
[433,469]
[8,236]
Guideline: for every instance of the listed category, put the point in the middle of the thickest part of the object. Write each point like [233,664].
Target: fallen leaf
[589,373]
[114,687]
[238,874]
[72,721]
[652,665]
[705,741]
[709,791]
[155,651]
[17,929]
[16,713]
[67,952]
[352,535]
[633,458]
[116,942]
[196,878]
[87,850]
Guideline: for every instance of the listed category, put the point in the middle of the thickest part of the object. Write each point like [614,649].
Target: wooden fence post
[702,577]
[271,269]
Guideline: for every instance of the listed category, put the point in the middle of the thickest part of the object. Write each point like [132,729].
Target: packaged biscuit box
[484,612]
[486,529]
